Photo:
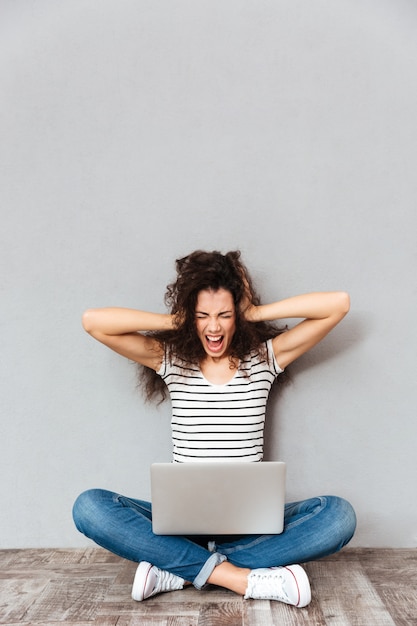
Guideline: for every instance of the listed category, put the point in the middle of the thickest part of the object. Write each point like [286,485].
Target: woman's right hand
[249,310]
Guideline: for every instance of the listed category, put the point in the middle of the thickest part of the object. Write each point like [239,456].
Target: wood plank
[221,613]
[175,620]
[292,616]
[140,621]
[182,620]
[76,623]
[257,612]
[42,556]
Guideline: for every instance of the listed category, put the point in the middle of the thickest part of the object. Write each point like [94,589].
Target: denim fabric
[313,529]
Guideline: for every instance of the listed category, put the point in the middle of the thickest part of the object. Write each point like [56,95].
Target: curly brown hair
[199,271]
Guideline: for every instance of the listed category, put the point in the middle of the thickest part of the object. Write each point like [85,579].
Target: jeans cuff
[205,572]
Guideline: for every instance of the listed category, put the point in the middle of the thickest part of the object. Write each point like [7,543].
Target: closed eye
[201,315]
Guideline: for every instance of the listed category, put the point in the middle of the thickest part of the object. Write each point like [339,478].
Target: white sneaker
[287,584]
[150,580]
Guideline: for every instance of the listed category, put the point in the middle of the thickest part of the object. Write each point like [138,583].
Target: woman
[219,345]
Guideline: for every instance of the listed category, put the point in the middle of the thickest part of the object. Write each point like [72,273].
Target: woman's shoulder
[262,357]
[174,364]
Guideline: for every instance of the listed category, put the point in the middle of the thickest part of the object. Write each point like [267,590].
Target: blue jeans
[313,529]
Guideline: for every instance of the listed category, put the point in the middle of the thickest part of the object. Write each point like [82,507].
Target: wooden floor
[90,586]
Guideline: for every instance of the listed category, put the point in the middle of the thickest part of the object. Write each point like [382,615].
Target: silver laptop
[218,498]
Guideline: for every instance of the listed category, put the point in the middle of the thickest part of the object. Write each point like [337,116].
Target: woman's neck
[219,371]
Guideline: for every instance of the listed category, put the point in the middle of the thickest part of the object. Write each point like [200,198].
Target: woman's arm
[120,329]
[320,312]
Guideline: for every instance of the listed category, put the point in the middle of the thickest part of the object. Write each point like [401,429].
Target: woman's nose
[214,324]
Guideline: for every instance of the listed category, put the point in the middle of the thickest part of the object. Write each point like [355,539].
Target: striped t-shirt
[219,422]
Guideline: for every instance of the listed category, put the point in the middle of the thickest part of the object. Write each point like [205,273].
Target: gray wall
[133,132]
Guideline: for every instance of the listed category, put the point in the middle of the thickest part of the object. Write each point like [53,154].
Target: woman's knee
[87,508]
[344,520]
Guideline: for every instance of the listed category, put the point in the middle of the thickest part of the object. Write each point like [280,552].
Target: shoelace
[268,585]
[165,581]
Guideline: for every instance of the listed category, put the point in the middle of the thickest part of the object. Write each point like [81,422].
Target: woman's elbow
[87,320]
[344,302]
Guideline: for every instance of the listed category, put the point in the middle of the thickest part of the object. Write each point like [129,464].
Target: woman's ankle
[230,577]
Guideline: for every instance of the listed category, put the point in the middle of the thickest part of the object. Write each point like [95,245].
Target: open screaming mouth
[214,343]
